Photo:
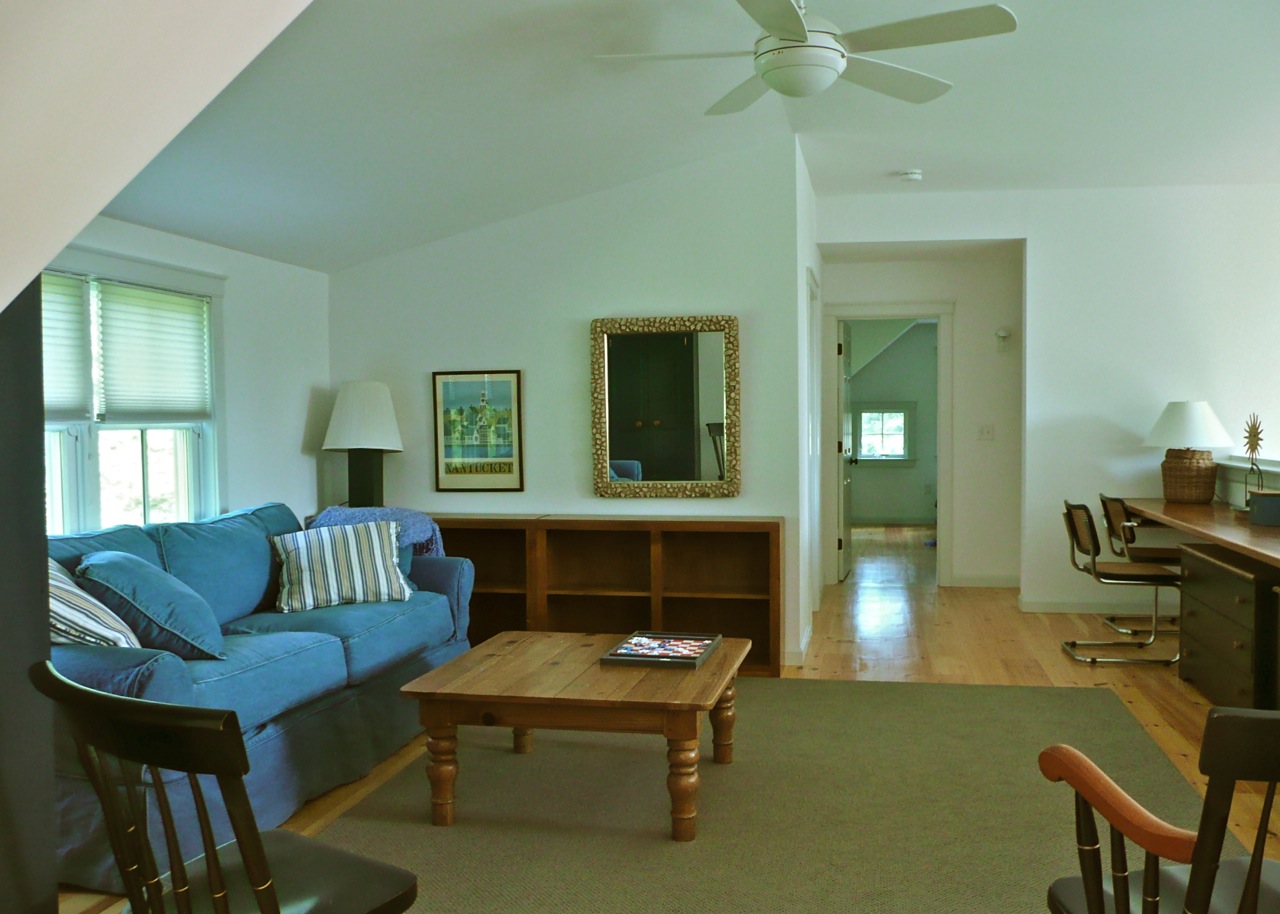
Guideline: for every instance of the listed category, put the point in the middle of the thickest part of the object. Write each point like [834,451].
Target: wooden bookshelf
[622,574]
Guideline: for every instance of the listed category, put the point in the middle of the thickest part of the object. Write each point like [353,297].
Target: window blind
[154,355]
[68,394]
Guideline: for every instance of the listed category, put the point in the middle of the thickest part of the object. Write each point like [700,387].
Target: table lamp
[364,425]
[1187,428]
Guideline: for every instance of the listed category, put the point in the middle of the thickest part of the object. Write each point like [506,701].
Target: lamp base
[1190,476]
[364,477]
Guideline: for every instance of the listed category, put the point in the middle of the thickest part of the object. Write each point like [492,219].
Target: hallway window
[886,431]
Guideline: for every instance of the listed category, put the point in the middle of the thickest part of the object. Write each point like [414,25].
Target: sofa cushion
[75,617]
[327,566]
[374,636]
[227,560]
[67,550]
[163,612]
[134,672]
[276,517]
[264,675]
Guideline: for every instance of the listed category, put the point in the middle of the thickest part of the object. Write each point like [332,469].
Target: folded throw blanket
[416,529]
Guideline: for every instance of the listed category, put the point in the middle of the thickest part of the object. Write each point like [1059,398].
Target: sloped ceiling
[368,128]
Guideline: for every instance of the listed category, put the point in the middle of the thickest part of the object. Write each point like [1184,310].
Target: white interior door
[845,474]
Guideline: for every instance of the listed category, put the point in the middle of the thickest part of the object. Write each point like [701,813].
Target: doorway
[887,407]
[875,328]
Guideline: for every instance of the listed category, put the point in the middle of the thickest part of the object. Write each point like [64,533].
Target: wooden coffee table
[555,681]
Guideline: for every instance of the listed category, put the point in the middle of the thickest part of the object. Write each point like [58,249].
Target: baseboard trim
[1100,609]
[1002,581]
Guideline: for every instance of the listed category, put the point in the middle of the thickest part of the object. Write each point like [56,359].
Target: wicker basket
[1190,476]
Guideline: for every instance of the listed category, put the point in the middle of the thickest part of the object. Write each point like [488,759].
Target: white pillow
[77,618]
[352,563]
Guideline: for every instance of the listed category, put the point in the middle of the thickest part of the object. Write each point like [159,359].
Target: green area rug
[843,797]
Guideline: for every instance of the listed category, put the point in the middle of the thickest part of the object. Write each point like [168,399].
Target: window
[886,431]
[128,404]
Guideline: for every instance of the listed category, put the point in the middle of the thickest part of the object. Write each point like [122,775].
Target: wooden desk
[1230,638]
[1217,523]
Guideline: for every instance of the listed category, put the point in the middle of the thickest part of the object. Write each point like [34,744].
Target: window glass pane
[894,446]
[871,423]
[895,423]
[165,475]
[120,476]
[53,505]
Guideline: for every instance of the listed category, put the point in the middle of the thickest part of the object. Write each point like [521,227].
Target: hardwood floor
[891,622]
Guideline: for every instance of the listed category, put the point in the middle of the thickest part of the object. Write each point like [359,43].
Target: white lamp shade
[363,417]
[1188,424]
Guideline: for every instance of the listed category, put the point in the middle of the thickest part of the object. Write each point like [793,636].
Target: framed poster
[479,433]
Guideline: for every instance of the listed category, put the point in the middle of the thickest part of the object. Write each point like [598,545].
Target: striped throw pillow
[77,618]
[326,566]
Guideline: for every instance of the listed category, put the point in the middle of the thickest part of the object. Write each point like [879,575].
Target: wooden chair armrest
[1151,833]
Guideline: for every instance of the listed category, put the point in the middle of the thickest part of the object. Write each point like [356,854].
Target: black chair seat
[310,877]
[1138,573]
[1066,896]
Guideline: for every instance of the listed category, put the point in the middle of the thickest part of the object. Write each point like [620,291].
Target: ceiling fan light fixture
[801,68]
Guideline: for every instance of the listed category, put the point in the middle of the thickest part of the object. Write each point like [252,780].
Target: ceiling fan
[800,55]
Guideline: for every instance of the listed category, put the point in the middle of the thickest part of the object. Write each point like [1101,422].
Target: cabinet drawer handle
[1240,599]
[1237,645]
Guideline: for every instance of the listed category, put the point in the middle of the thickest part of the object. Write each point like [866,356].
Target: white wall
[716,237]
[889,492]
[92,91]
[271,348]
[808,381]
[981,523]
[1134,297]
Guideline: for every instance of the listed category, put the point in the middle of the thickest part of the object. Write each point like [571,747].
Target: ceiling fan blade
[740,97]
[893,80]
[957,25]
[703,56]
[780,18]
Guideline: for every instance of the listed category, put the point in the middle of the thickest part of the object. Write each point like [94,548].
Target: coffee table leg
[521,739]
[682,784]
[442,771]
[722,717]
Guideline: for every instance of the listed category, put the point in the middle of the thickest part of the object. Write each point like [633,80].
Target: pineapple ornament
[1252,444]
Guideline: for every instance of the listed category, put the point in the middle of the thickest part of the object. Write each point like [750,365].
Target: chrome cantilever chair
[1239,745]
[1121,527]
[1084,545]
[125,743]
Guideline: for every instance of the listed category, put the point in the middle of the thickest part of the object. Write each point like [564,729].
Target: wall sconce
[364,425]
[1188,428]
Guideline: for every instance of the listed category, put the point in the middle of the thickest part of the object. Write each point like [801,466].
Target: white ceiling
[369,128]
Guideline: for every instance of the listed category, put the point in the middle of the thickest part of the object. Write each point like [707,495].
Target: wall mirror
[665,407]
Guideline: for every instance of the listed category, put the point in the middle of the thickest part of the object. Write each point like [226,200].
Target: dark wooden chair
[125,745]
[1085,549]
[1122,537]
[1239,745]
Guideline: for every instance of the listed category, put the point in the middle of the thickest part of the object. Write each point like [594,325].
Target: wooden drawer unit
[1229,626]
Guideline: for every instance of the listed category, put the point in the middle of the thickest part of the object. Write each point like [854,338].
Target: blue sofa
[316,692]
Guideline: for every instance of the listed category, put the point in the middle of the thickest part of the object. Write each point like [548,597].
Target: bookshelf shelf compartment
[623,574]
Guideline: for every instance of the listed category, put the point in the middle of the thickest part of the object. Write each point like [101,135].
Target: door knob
[639,423]
[657,422]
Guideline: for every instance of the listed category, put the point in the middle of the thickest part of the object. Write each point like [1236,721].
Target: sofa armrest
[452,576]
[135,672]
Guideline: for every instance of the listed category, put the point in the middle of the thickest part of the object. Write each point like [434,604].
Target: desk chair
[1239,745]
[1083,536]
[1122,537]
[123,745]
